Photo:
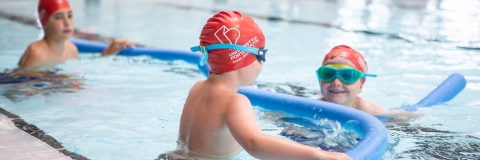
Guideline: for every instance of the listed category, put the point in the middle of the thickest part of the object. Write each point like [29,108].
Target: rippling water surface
[413,45]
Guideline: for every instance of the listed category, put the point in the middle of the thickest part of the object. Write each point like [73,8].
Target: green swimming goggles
[345,73]
[260,53]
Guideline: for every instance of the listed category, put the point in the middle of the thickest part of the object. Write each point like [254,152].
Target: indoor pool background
[412,45]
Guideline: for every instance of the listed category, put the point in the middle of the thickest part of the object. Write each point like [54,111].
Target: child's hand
[116,46]
[397,117]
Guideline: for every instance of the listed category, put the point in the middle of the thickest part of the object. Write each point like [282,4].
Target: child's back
[205,124]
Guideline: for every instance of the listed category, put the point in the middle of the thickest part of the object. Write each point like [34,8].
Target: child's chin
[68,35]
[337,100]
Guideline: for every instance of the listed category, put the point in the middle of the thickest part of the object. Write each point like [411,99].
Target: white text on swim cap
[237,55]
[362,63]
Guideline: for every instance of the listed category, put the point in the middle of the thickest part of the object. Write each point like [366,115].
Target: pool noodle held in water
[162,54]
[445,92]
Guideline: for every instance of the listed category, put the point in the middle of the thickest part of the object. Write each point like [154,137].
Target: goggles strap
[205,49]
[233,46]
[202,49]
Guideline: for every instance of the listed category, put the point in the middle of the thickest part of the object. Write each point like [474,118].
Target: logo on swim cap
[223,31]
[362,63]
[231,28]
[231,36]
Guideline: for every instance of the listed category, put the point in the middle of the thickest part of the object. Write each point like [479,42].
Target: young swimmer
[56,19]
[341,78]
[217,122]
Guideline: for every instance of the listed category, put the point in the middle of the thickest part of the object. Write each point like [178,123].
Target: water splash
[323,133]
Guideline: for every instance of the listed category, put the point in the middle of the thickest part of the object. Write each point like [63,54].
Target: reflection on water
[46,86]
[417,21]
[288,88]
[177,67]
[419,142]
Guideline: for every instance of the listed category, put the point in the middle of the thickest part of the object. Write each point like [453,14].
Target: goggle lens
[344,73]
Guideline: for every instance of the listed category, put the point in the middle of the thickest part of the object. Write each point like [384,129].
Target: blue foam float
[444,92]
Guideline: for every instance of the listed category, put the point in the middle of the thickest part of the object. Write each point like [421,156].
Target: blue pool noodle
[375,137]
[162,54]
[374,142]
[446,91]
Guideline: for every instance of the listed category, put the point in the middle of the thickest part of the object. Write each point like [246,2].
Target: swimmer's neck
[352,104]
[228,80]
[57,46]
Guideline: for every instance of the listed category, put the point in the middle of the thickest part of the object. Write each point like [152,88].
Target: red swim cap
[350,54]
[231,28]
[48,7]
[353,56]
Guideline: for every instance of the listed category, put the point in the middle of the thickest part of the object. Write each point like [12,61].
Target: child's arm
[244,128]
[116,46]
[396,117]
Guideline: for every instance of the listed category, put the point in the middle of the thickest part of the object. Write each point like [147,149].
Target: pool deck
[16,144]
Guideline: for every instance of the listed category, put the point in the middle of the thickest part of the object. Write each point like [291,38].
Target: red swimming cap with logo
[353,56]
[48,7]
[231,27]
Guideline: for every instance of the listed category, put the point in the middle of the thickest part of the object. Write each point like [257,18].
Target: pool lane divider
[374,142]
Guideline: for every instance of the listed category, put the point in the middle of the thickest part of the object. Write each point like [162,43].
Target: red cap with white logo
[231,27]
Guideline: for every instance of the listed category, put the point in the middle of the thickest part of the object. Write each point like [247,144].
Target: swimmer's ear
[363,82]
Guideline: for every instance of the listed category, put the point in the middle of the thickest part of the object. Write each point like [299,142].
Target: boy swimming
[56,19]
[216,121]
[341,78]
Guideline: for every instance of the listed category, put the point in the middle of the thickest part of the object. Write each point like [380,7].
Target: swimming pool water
[416,47]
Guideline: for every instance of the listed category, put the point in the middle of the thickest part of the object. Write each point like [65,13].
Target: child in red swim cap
[216,121]
[56,19]
[341,78]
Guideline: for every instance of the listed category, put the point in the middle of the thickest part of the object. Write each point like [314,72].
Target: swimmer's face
[338,92]
[60,24]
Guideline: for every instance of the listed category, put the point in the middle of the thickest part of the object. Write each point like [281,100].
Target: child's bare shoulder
[239,99]
[72,50]
[35,48]
[33,54]
[369,107]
